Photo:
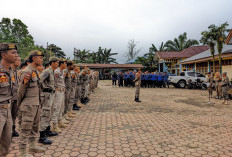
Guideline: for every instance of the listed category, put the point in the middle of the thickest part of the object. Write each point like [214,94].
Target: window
[191,74]
[200,75]
[182,74]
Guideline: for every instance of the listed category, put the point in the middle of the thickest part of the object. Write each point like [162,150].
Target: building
[170,61]
[203,62]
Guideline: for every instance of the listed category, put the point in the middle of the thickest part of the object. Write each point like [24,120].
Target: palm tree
[81,56]
[208,38]
[106,56]
[180,43]
[220,38]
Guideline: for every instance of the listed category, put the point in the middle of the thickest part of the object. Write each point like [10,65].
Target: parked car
[181,81]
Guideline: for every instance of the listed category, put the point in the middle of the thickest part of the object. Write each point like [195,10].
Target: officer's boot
[135,99]
[34,148]
[61,124]
[66,117]
[43,138]
[70,115]
[50,133]
[14,132]
[24,153]
[56,128]
[75,107]
[82,101]
[64,121]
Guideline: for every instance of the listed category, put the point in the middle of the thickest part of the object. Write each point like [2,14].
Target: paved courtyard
[168,122]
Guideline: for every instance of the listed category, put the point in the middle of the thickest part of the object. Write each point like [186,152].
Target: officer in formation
[39,97]
[148,79]
[225,84]
[137,85]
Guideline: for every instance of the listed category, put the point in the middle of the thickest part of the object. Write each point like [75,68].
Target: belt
[60,89]
[4,106]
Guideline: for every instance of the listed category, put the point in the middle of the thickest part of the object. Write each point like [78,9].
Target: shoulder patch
[33,74]
[26,78]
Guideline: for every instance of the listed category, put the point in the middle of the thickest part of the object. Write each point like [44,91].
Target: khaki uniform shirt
[47,79]
[15,82]
[6,86]
[67,79]
[29,87]
[59,79]
[137,79]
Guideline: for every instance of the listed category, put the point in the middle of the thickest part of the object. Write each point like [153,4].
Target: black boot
[43,138]
[85,101]
[82,101]
[49,132]
[75,107]
[14,132]
[137,100]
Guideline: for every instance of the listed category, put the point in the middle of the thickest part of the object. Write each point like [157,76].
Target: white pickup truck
[181,81]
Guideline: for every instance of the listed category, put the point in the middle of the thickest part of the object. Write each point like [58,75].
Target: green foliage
[56,51]
[148,62]
[102,56]
[16,31]
[215,35]
[180,43]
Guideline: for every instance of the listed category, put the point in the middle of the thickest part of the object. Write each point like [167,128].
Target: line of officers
[148,79]
[221,84]
[44,101]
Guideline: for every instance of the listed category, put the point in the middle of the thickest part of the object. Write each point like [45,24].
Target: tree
[107,56]
[220,33]
[154,49]
[16,31]
[180,43]
[148,62]
[56,51]
[208,38]
[81,56]
[132,50]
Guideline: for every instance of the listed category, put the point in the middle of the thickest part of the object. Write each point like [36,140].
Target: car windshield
[182,74]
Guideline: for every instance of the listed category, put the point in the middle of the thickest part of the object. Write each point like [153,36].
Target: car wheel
[182,84]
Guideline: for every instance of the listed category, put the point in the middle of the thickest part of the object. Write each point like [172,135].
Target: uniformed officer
[210,81]
[68,85]
[8,55]
[225,87]
[83,79]
[14,106]
[218,80]
[77,105]
[30,105]
[59,101]
[48,88]
[137,85]
[74,77]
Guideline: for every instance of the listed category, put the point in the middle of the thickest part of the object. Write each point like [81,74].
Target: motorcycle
[196,84]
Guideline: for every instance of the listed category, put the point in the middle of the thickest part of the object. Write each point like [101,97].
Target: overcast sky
[88,24]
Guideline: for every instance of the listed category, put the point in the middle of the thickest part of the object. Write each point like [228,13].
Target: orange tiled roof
[229,37]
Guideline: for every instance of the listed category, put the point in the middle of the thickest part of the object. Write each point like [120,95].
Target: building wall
[228,69]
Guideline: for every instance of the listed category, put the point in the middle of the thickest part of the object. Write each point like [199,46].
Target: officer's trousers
[30,124]
[47,110]
[5,130]
[71,99]
[67,98]
[137,91]
[58,106]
